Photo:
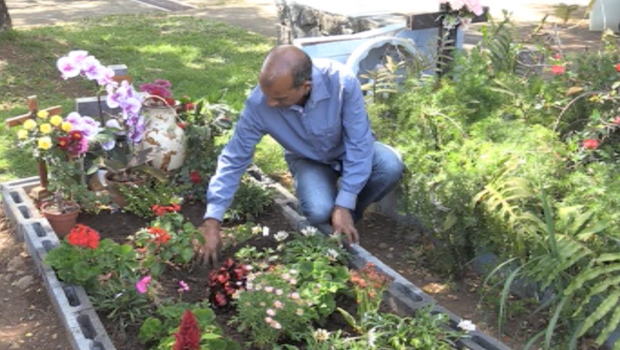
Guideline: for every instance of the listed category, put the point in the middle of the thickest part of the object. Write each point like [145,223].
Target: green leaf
[588,275]
[605,307]
[187,254]
[151,329]
[205,317]
[611,325]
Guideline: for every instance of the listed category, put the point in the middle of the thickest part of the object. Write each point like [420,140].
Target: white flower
[249,286]
[280,236]
[286,276]
[309,231]
[265,231]
[294,296]
[270,312]
[299,312]
[332,254]
[320,335]
[292,271]
[292,281]
[467,325]
[250,277]
[256,230]
[268,319]
[278,304]
[276,325]
[236,294]
[279,292]
[269,289]
[372,336]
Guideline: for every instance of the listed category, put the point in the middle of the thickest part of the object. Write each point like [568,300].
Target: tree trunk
[5,19]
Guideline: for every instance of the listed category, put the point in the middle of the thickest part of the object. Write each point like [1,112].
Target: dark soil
[119,225]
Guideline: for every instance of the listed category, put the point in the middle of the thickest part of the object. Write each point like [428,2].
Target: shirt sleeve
[232,163]
[358,144]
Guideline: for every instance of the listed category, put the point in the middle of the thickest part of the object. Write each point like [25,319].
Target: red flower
[195,177]
[63,142]
[557,70]
[75,135]
[220,299]
[590,144]
[189,106]
[83,236]
[618,67]
[161,210]
[188,336]
[182,125]
[558,56]
[160,236]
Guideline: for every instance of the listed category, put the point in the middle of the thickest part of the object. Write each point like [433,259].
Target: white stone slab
[360,8]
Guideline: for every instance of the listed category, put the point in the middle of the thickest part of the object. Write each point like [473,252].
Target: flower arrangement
[460,12]
[61,143]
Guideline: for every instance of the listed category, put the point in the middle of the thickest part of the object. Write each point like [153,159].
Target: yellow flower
[65,126]
[22,134]
[55,120]
[45,128]
[30,124]
[42,114]
[45,142]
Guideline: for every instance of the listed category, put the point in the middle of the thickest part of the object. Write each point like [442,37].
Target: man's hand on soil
[342,222]
[208,253]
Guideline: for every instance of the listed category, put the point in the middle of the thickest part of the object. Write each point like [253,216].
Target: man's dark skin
[276,82]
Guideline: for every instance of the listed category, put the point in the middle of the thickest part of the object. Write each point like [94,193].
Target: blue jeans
[316,184]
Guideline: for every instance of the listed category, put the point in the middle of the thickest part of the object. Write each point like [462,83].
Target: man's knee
[392,164]
[318,214]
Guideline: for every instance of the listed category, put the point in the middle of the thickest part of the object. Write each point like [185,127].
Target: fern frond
[603,309]
[571,252]
[597,289]
[588,275]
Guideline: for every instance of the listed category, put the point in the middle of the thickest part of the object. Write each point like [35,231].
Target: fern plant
[568,254]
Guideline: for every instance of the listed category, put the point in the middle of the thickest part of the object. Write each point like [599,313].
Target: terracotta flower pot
[62,223]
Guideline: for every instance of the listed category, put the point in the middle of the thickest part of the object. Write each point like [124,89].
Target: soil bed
[119,225]
[378,234]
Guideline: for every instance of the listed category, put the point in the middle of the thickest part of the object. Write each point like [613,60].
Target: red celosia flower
[194,177]
[83,236]
[590,144]
[618,67]
[557,70]
[160,236]
[188,336]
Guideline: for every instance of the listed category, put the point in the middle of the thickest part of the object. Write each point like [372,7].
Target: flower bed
[287,295]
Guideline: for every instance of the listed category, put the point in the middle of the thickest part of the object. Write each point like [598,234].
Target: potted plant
[61,143]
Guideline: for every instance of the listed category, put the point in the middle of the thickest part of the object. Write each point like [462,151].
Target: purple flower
[137,132]
[105,77]
[108,145]
[71,65]
[87,125]
[91,68]
[143,284]
[184,286]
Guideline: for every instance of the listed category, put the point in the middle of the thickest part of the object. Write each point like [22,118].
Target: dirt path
[27,319]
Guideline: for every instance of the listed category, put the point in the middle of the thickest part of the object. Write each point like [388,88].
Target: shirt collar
[319,89]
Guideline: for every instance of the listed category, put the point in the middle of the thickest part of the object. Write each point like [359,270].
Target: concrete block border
[84,328]
[71,303]
[403,296]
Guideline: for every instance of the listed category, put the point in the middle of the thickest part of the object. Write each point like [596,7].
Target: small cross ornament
[39,192]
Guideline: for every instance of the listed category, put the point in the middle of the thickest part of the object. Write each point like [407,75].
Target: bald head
[286,63]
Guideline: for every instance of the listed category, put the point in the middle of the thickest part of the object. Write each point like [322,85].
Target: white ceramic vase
[164,135]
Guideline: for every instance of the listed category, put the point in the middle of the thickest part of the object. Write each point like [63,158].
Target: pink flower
[617,120]
[590,144]
[143,284]
[184,286]
[557,70]
[278,304]
[270,312]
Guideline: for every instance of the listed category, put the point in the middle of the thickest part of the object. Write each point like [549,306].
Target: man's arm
[232,163]
[358,144]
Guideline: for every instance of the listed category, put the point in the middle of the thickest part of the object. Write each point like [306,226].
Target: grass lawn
[201,58]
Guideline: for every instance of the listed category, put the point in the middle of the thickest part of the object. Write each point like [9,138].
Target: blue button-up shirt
[332,128]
